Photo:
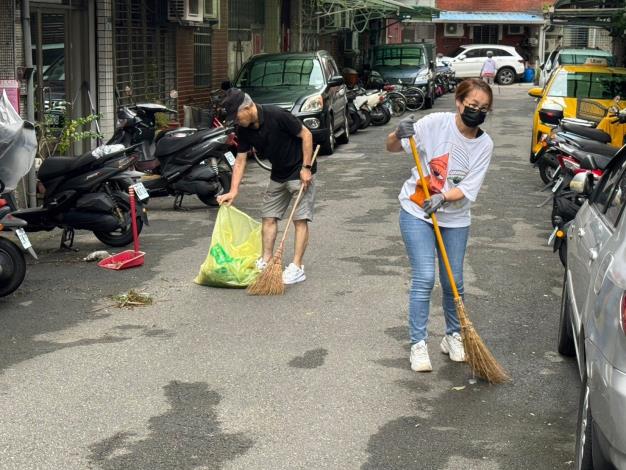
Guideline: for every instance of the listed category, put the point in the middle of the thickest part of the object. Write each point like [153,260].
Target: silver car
[593,317]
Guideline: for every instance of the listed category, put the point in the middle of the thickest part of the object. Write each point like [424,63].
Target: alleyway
[316,379]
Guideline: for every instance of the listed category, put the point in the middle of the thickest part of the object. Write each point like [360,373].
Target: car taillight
[521,61]
[623,313]
[3,202]
[569,163]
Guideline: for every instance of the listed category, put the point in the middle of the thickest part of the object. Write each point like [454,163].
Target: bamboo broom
[478,356]
[270,281]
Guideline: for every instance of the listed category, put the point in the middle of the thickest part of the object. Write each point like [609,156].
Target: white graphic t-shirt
[453,161]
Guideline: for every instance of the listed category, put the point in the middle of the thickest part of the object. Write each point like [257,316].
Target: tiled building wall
[7,40]
[104,66]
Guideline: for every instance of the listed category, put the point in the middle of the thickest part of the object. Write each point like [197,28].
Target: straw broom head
[477,355]
[270,281]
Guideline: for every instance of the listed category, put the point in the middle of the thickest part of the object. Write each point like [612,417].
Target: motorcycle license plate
[557,185]
[552,236]
[141,191]
[21,234]
[230,158]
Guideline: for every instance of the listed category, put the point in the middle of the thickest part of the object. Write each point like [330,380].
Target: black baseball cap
[234,98]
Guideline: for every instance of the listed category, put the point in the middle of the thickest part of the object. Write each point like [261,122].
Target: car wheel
[565,340]
[584,458]
[505,76]
[328,147]
[344,138]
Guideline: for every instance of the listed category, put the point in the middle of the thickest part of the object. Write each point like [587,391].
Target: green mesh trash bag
[235,247]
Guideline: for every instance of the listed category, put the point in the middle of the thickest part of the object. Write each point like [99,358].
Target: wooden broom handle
[442,247]
[295,204]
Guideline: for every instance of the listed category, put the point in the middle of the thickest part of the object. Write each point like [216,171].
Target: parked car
[571,84]
[306,83]
[467,62]
[593,318]
[571,57]
[409,64]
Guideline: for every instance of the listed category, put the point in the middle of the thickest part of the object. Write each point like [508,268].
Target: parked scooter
[178,162]
[12,262]
[582,161]
[87,193]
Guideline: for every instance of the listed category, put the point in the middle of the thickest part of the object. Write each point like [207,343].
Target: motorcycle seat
[53,167]
[592,161]
[172,143]
[587,132]
[591,146]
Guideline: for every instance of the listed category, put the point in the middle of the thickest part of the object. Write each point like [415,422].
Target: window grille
[202,57]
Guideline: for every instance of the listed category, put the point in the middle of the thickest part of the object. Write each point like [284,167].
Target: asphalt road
[317,379]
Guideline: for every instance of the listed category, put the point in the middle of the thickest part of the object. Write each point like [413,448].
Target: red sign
[12,88]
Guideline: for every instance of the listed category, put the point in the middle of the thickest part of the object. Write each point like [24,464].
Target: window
[486,34]
[202,57]
[588,85]
[610,198]
[515,29]
[288,72]
[390,56]
[476,53]
[501,53]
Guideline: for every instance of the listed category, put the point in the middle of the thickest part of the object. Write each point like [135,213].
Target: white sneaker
[293,274]
[420,362]
[261,264]
[453,345]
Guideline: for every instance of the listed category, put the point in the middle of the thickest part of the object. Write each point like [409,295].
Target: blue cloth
[421,247]
[529,75]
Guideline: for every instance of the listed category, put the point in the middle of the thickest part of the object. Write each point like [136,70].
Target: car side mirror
[335,80]
[431,65]
[461,57]
[582,183]
[536,92]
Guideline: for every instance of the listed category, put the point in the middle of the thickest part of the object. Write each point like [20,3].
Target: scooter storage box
[95,202]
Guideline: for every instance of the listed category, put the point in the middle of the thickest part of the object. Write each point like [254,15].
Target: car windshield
[281,72]
[397,56]
[594,85]
[580,59]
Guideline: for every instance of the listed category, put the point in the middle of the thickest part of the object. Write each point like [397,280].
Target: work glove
[435,202]
[406,128]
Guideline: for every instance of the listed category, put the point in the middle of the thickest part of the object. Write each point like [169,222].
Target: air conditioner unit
[533,42]
[186,10]
[453,30]
[211,9]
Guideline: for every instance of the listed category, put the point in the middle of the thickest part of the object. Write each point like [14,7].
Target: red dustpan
[129,258]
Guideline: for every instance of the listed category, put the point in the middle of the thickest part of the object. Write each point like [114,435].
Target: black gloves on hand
[435,202]
[406,128]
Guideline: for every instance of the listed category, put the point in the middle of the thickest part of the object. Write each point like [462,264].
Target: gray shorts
[278,196]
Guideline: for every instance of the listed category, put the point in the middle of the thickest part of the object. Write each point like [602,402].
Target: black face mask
[473,117]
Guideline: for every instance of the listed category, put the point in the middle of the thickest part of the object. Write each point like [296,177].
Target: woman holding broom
[455,152]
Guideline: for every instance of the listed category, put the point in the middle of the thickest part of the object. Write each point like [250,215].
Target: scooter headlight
[313,104]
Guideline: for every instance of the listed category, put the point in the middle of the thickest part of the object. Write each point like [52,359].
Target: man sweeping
[280,137]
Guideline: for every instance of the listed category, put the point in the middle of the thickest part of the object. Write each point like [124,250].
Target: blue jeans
[421,246]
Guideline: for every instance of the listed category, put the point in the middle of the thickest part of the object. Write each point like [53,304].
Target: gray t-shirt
[457,161]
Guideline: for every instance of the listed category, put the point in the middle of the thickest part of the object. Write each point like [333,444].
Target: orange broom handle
[442,247]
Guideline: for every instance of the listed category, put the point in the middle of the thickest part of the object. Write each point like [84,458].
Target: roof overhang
[491,17]
[334,15]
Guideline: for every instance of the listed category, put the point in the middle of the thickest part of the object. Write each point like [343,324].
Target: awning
[492,17]
[334,15]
